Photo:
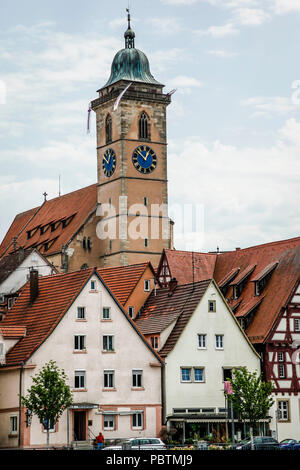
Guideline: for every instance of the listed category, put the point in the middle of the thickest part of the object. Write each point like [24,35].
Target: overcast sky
[233,125]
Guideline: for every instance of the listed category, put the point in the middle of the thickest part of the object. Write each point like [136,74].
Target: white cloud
[269,106]
[251,16]
[222,53]
[228,29]
[286,6]
[166,25]
[184,83]
[241,189]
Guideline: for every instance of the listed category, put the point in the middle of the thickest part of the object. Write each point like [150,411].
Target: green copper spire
[130,63]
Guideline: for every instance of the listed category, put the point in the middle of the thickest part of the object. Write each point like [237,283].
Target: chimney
[34,284]
[172,285]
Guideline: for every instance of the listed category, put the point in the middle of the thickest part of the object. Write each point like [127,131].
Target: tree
[49,395]
[251,395]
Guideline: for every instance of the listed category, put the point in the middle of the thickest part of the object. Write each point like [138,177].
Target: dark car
[260,443]
[289,444]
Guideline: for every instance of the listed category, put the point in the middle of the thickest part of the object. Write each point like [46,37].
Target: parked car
[289,444]
[260,443]
[141,443]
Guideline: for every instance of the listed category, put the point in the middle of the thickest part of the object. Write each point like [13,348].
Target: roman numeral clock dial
[144,159]
[109,162]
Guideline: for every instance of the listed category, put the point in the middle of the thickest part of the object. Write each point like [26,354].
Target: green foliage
[251,396]
[49,395]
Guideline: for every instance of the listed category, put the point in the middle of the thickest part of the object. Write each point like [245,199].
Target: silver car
[139,443]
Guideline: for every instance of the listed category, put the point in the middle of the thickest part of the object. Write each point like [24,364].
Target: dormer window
[108,129]
[144,127]
[262,278]
[240,281]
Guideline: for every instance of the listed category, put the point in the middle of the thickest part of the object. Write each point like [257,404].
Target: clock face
[144,159]
[109,162]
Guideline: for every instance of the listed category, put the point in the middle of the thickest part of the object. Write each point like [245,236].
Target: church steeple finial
[129,34]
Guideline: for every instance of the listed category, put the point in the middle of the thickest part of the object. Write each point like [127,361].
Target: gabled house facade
[114,374]
[261,285]
[201,342]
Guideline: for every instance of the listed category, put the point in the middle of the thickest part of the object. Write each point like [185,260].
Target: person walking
[100,441]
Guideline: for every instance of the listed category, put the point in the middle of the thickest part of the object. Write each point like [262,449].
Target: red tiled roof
[181,265]
[263,258]
[279,287]
[229,277]
[122,280]
[10,332]
[246,308]
[162,309]
[56,294]
[76,206]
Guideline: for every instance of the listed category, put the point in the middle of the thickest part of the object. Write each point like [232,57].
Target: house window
[81,313]
[109,379]
[110,245]
[281,357]
[283,410]
[51,425]
[227,374]
[219,341]
[131,311]
[154,342]
[93,285]
[185,375]
[10,302]
[137,378]
[13,425]
[108,129]
[297,324]
[144,126]
[79,379]
[79,342]
[109,422]
[211,305]
[137,420]
[147,286]
[145,201]
[106,313]
[108,343]
[1,350]
[202,341]
[281,370]
[198,374]
[146,242]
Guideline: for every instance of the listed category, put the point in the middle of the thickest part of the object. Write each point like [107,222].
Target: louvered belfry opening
[144,127]
[108,129]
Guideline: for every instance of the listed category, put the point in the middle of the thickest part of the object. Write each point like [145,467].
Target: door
[80,426]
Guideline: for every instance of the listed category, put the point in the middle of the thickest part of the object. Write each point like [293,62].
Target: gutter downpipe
[163,394]
[20,394]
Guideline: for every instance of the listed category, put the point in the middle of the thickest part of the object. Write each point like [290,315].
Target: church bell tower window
[144,127]
[108,129]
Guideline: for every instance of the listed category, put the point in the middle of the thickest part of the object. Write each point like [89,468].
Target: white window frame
[281,371]
[154,340]
[51,429]
[202,341]
[219,342]
[108,417]
[182,380]
[110,343]
[82,374]
[93,285]
[147,285]
[194,376]
[137,376]
[136,417]
[283,410]
[80,347]
[109,373]
[280,356]
[212,307]
[131,311]
[105,309]
[296,324]
[82,310]
[13,425]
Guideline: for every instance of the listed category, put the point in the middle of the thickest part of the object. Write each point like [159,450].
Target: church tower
[132,161]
